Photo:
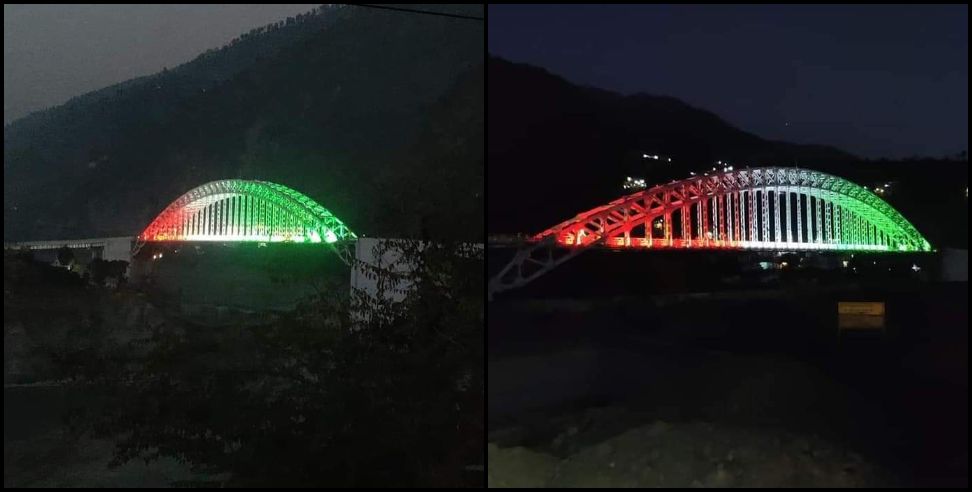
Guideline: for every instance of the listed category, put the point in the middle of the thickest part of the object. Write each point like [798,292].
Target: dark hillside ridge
[333,103]
[551,141]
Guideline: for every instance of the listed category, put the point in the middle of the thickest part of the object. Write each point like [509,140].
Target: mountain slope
[554,146]
[330,105]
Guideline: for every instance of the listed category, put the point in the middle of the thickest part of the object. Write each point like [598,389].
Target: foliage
[319,398]
[101,270]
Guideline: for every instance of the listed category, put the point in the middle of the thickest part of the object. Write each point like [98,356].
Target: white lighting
[644,156]
[916,268]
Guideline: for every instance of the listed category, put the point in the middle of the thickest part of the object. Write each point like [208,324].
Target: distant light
[783,264]
[730,168]
[966,190]
[916,268]
[720,162]
[644,156]
[691,173]
[844,263]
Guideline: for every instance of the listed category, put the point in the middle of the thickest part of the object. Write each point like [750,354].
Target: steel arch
[721,211]
[238,210]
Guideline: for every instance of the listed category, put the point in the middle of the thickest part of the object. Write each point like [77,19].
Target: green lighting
[246,211]
[838,215]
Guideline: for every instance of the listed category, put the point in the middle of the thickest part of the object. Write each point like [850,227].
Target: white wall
[955,265]
[390,258]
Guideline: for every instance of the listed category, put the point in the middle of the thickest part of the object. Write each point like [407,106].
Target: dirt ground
[38,452]
[664,454]
[703,394]
[765,430]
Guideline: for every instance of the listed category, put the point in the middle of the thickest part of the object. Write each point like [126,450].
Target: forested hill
[349,105]
[554,146]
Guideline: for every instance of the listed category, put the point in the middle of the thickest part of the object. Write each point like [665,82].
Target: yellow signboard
[863,308]
[860,316]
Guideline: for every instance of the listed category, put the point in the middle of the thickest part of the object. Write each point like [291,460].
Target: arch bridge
[772,208]
[235,210]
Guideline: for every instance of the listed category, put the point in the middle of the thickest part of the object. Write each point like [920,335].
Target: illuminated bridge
[235,210]
[781,209]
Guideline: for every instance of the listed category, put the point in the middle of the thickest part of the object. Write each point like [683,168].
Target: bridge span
[105,248]
[771,209]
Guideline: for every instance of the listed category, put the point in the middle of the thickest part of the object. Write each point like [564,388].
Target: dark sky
[54,52]
[874,80]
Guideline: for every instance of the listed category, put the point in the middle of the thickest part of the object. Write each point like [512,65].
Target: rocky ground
[705,394]
[676,454]
[39,451]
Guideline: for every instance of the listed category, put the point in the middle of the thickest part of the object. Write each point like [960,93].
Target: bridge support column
[729,218]
[828,232]
[723,217]
[698,224]
[668,228]
[789,215]
[686,224]
[776,218]
[742,216]
[764,223]
[818,234]
[648,232]
[737,219]
[836,225]
[752,215]
[799,217]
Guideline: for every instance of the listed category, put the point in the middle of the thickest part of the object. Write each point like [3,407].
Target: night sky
[52,53]
[878,81]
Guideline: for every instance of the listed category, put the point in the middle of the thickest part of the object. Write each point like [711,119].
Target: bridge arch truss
[771,208]
[236,210]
